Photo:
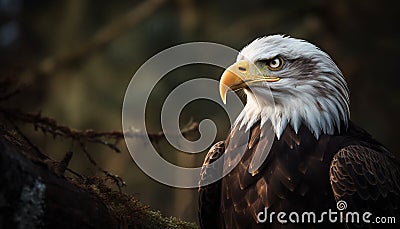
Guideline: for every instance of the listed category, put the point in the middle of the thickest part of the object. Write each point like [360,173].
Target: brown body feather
[302,174]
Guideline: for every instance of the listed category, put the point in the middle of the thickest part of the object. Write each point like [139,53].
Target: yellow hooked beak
[239,75]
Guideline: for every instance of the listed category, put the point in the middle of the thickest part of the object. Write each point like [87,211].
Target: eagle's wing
[210,195]
[368,180]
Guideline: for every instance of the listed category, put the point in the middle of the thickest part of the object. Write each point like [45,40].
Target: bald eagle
[297,149]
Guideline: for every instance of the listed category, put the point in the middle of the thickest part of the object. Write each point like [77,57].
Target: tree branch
[50,125]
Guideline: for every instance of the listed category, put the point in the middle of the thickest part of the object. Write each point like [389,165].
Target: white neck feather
[322,115]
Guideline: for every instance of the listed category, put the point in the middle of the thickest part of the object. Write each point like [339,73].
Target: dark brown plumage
[303,174]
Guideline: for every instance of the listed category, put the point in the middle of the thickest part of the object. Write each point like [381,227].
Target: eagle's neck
[321,114]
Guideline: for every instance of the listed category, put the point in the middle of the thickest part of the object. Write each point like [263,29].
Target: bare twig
[50,125]
[117,180]
[59,167]
[11,94]
[27,141]
[74,173]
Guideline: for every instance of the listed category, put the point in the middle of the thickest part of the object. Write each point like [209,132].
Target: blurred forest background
[75,58]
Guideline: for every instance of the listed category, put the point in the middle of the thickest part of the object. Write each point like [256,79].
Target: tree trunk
[31,196]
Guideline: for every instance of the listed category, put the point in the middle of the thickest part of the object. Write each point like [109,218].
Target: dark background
[74,73]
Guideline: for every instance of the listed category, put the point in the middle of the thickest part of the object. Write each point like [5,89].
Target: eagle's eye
[275,63]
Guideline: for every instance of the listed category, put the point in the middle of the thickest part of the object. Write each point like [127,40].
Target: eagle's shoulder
[215,152]
[209,195]
[367,178]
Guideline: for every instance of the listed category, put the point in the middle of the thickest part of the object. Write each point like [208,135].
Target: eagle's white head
[288,81]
